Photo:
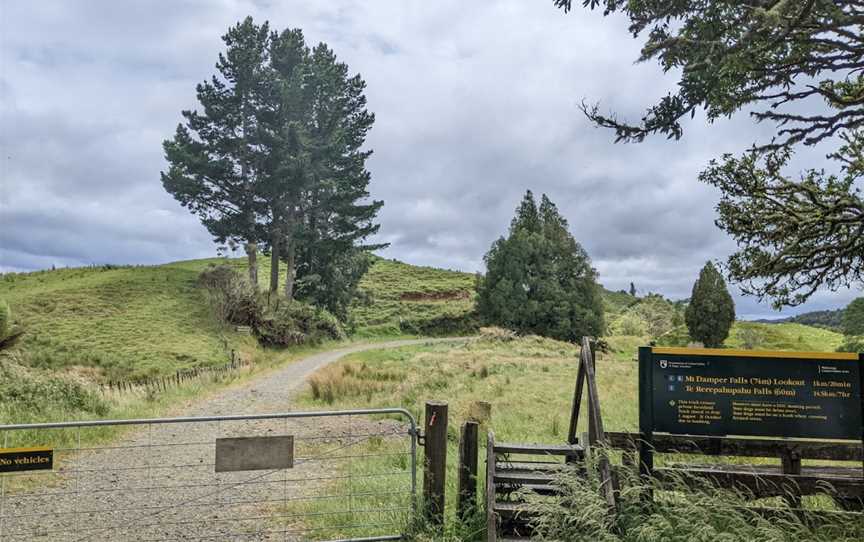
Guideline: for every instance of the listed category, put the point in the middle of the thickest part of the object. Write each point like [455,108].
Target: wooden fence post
[491,517]
[468,469]
[436,460]
[791,464]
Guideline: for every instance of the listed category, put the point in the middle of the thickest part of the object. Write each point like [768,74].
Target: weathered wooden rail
[512,468]
[789,479]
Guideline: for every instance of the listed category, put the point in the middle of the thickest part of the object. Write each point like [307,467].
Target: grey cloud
[475,102]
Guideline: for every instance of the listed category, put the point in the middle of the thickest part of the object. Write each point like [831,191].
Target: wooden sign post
[586,376]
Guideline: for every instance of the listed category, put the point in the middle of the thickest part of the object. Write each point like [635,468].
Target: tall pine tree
[711,311]
[283,118]
[539,279]
[213,159]
[335,215]
[277,159]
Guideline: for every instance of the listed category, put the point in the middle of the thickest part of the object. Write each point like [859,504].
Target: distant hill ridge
[832,319]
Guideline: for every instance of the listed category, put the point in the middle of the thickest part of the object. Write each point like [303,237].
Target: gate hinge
[421,438]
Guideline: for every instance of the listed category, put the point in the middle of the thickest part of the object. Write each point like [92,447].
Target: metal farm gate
[329,475]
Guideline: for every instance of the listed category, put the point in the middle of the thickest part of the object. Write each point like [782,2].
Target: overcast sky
[475,103]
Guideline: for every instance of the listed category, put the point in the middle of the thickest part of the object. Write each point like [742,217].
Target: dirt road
[159,483]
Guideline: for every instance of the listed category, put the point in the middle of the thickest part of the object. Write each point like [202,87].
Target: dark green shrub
[853,318]
[24,390]
[233,299]
[852,343]
[294,323]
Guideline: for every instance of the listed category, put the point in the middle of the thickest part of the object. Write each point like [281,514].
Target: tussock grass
[680,514]
[349,381]
[529,383]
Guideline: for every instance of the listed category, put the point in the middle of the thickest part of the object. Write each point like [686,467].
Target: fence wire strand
[353,478]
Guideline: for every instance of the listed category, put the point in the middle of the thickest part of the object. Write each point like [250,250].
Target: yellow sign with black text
[26,459]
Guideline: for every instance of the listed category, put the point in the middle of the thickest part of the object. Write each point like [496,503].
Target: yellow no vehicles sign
[26,459]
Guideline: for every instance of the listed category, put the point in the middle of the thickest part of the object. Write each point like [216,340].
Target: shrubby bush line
[275,321]
[38,394]
[852,343]
[294,323]
[853,327]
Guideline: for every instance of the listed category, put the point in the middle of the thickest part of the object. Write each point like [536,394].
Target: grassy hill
[615,302]
[131,322]
[120,321]
[409,298]
[124,321]
[832,319]
[762,336]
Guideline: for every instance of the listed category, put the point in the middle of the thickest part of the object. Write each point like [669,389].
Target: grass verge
[528,381]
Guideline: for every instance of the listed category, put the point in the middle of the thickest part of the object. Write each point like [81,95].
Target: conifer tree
[212,156]
[282,117]
[276,158]
[334,214]
[711,311]
[527,216]
[539,279]
[853,317]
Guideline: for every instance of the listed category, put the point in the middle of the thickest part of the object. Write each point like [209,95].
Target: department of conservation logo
[663,363]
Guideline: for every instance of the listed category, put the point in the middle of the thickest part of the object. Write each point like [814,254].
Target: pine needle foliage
[539,279]
[711,311]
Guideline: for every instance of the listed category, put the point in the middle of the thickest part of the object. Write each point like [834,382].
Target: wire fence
[353,477]
[163,382]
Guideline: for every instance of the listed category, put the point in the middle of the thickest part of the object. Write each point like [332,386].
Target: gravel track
[158,482]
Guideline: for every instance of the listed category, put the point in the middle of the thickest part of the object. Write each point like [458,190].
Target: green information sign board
[719,392]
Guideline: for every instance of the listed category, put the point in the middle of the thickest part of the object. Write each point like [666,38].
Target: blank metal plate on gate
[254,453]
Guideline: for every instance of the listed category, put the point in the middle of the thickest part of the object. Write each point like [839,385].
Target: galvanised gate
[351,475]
